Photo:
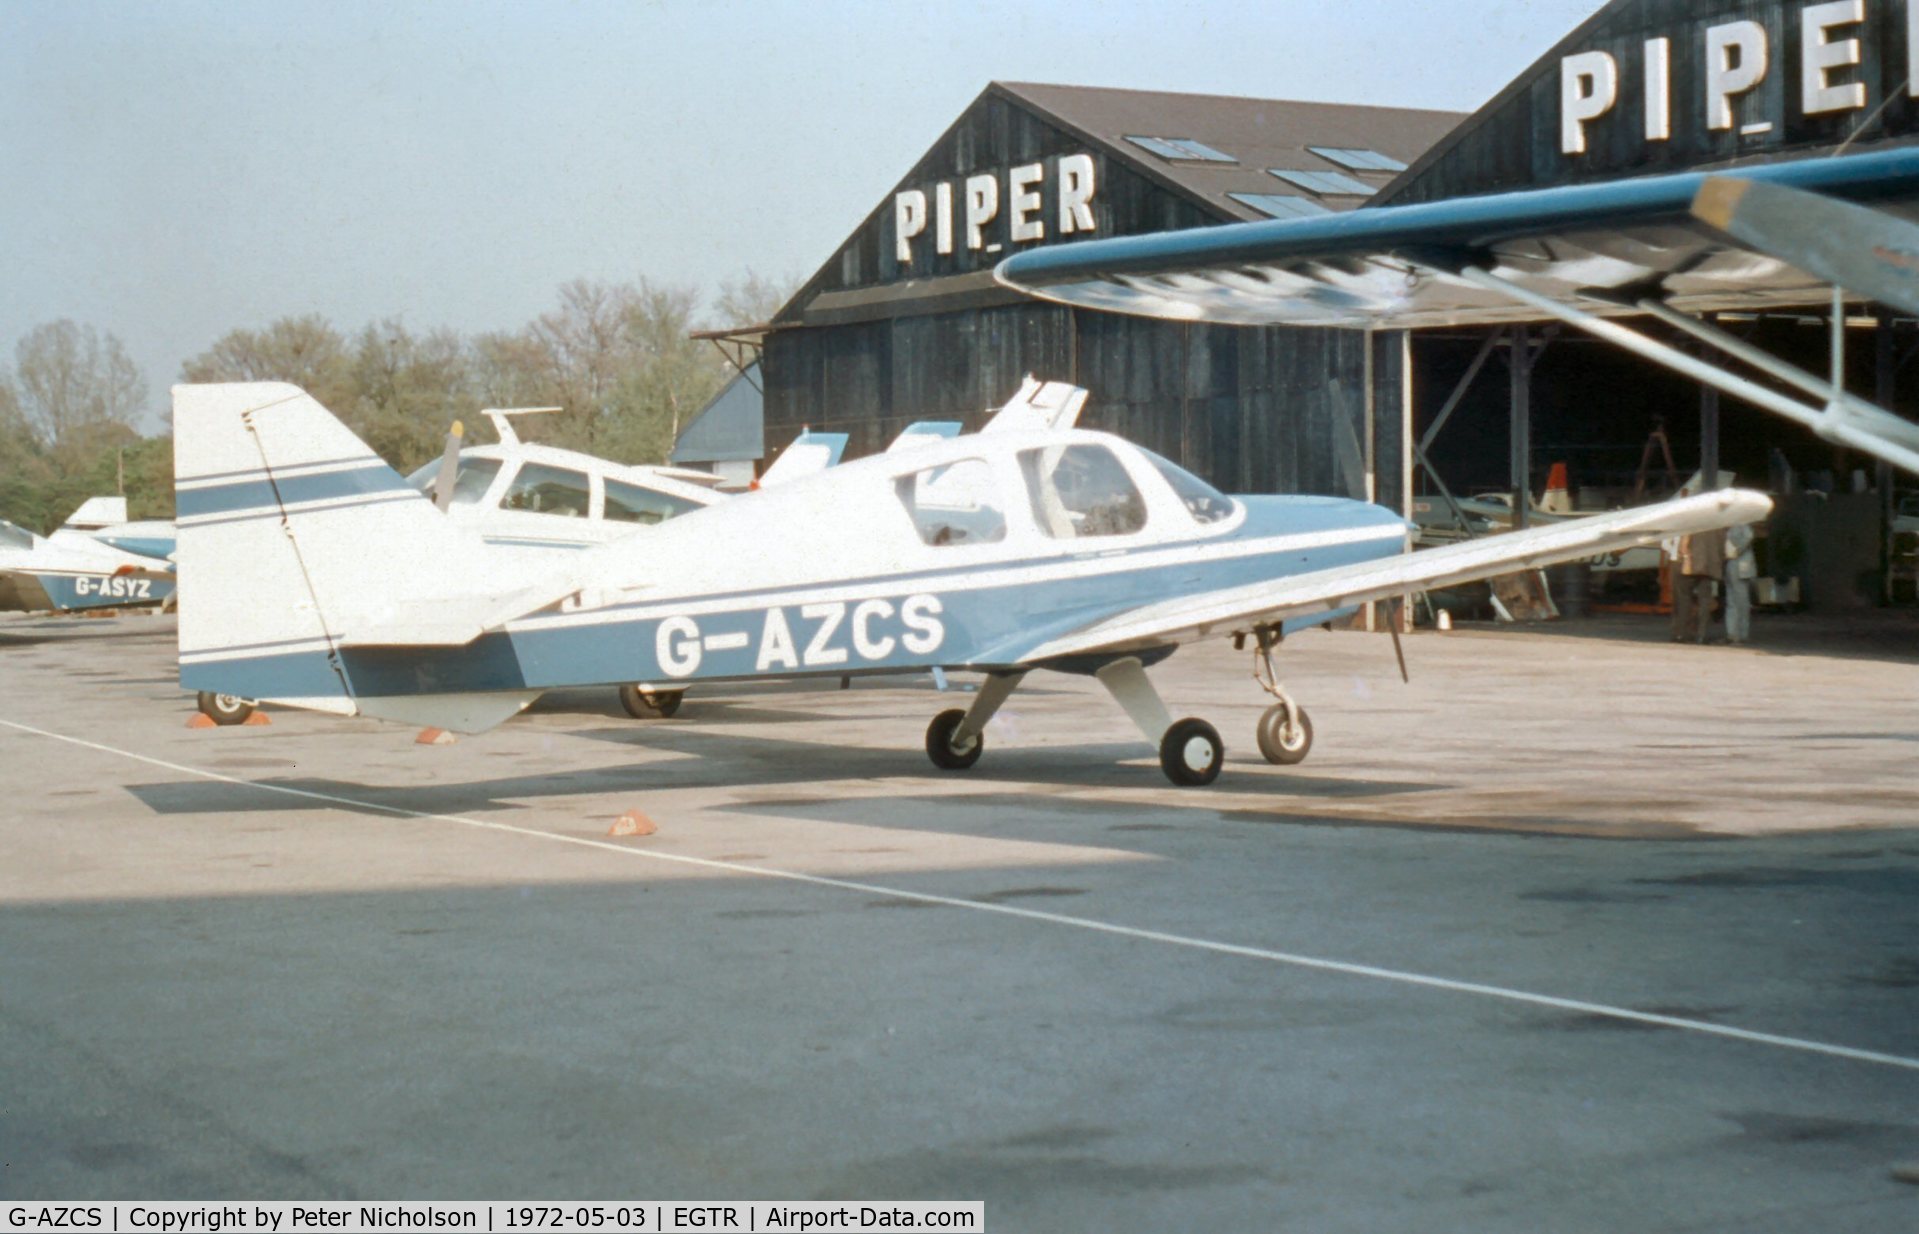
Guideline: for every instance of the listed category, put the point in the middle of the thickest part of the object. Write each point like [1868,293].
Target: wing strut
[1845,420]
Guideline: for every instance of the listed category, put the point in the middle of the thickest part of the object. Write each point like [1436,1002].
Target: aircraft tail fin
[925,433]
[1039,405]
[97,512]
[1557,499]
[810,452]
[295,540]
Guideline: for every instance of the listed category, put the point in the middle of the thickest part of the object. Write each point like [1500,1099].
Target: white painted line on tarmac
[1029,914]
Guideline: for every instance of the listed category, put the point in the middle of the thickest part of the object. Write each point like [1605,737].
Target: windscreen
[470,481]
[1204,502]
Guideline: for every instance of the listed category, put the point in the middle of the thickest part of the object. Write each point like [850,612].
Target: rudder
[294,538]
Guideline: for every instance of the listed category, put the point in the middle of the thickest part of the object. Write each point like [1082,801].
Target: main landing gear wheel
[940,747]
[224,709]
[1285,734]
[644,704]
[1191,752]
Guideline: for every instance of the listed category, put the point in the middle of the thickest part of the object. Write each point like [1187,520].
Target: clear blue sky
[175,170]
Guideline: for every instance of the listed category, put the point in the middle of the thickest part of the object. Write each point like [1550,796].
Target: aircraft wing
[1601,247]
[1189,618]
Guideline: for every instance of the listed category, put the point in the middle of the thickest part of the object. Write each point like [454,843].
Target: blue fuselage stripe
[104,590]
[292,490]
[902,622]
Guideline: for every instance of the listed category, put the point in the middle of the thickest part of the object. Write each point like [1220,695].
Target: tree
[306,351]
[75,386]
[408,390]
[615,357]
[667,378]
[752,299]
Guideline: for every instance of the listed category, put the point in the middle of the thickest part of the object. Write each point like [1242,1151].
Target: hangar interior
[904,322]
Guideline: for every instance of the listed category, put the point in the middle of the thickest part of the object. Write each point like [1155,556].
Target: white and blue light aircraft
[523,494]
[95,560]
[1001,552]
[105,519]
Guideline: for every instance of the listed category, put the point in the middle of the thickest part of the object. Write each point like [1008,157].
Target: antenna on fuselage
[503,424]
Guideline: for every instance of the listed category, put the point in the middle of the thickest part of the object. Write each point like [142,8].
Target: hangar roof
[1169,161]
[1258,136]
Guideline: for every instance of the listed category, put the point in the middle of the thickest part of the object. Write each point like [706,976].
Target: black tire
[1191,753]
[224,709]
[939,742]
[1279,746]
[644,704]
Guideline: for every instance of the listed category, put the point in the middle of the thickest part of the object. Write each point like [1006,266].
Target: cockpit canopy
[533,487]
[1078,489]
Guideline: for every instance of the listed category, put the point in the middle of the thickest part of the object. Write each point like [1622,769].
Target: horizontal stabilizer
[303,545]
[1189,618]
[456,713]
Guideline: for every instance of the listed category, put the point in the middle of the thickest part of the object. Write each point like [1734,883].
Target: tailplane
[297,543]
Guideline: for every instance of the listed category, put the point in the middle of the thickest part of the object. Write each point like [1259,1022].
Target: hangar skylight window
[1325,183]
[1280,205]
[1181,150]
[1358,160]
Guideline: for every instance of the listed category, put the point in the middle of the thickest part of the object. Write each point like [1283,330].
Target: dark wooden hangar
[1652,86]
[905,322]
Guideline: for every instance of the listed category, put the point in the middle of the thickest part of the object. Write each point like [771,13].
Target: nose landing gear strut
[1285,731]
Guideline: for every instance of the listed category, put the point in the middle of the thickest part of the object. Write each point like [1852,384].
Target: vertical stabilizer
[295,539]
[97,512]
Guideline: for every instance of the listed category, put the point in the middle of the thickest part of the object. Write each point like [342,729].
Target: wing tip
[1718,200]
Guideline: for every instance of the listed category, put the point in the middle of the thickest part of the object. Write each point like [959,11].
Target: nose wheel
[1285,734]
[1285,731]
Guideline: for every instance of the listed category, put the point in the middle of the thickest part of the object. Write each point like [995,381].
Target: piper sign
[981,201]
[1738,58]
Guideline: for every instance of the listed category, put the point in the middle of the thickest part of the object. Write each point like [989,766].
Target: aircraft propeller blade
[1865,251]
[449,467]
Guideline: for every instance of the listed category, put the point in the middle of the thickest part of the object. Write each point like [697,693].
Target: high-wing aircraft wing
[1401,266]
[1192,617]
[1670,246]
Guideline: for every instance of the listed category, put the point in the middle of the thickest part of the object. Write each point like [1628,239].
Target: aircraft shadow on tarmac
[695,759]
[1111,765]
